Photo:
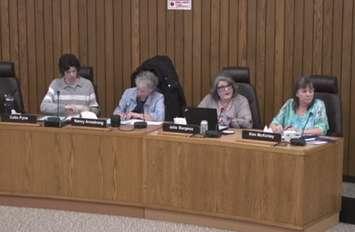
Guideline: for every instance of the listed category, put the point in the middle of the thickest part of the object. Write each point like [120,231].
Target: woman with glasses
[232,108]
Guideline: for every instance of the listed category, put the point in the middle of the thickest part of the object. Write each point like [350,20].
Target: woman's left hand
[132,115]
[139,116]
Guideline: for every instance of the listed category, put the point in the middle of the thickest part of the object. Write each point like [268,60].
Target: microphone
[141,125]
[54,121]
[219,118]
[220,114]
[301,141]
[58,94]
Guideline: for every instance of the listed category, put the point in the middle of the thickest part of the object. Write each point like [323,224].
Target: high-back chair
[87,72]
[241,75]
[10,85]
[169,85]
[326,89]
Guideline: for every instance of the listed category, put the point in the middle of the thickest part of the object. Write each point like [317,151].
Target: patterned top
[236,115]
[154,105]
[82,93]
[287,117]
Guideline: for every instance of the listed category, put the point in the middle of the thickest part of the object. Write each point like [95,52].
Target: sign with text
[101,123]
[19,118]
[260,135]
[179,4]
[189,129]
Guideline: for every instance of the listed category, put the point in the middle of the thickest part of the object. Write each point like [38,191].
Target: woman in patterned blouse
[302,112]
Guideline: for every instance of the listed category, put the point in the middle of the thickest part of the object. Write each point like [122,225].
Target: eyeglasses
[224,87]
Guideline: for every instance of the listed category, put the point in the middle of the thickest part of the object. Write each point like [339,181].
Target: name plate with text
[100,123]
[260,135]
[189,129]
[19,118]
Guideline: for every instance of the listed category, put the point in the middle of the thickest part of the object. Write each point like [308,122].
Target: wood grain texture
[227,178]
[232,179]
[279,40]
[72,163]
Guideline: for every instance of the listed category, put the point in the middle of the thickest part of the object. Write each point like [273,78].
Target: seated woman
[142,101]
[302,112]
[232,108]
[76,94]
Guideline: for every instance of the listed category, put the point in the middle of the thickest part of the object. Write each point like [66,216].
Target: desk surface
[224,178]
[235,139]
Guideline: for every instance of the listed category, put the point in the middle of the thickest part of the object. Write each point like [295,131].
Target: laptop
[194,116]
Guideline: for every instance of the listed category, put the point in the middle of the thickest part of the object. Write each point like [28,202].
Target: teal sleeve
[279,119]
[321,120]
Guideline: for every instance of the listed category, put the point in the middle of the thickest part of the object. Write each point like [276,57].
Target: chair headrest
[238,74]
[324,84]
[7,69]
[87,72]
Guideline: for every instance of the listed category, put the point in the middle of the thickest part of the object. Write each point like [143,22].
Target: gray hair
[230,81]
[147,79]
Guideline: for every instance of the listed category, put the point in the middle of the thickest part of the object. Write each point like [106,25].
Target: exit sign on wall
[179,4]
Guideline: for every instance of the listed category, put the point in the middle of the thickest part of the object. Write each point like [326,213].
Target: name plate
[101,123]
[189,129]
[260,135]
[19,118]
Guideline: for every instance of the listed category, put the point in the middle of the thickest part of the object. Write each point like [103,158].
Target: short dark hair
[66,61]
[301,83]
[221,77]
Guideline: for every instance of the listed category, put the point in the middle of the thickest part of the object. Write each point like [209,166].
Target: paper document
[132,121]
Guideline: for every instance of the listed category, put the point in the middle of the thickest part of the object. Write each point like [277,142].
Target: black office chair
[169,85]
[326,89]
[10,85]
[241,75]
[87,72]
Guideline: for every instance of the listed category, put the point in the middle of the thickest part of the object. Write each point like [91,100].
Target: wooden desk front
[227,181]
[250,181]
[72,163]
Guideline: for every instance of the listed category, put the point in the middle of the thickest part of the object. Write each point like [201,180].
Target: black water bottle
[8,103]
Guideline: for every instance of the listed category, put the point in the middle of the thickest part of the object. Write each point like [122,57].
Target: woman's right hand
[123,116]
[276,128]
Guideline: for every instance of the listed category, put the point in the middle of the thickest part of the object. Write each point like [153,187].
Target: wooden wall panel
[188,62]
[196,76]
[39,45]
[346,70]
[5,39]
[278,39]
[269,57]
[32,54]
[109,57]
[118,49]
[206,52]
[279,56]
[260,54]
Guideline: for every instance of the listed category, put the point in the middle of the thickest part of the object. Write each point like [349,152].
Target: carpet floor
[44,220]
[17,219]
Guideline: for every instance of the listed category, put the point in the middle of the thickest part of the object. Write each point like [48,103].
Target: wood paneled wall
[278,39]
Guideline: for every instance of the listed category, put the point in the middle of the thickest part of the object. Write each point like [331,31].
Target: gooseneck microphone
[58,94]
[301,141]
[141,125]
[54,121]
[219,116]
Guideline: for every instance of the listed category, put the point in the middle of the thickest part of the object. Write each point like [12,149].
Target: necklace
[223,106]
